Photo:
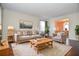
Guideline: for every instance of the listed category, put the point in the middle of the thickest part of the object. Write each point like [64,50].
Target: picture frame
[25,24]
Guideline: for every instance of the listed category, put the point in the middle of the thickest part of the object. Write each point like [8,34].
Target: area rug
[25,49]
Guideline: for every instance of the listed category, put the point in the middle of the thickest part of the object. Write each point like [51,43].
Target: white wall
[74,20]
[12,18]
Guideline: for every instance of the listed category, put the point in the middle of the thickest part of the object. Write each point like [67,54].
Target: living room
[27,19]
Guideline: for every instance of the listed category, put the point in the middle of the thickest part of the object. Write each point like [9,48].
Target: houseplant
[46,29]
[77,31]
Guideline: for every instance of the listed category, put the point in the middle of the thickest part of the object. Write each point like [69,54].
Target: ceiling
[43,9]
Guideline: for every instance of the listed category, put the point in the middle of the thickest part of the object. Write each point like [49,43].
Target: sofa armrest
[16,37]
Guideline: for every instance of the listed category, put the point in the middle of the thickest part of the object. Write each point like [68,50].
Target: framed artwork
[25,25]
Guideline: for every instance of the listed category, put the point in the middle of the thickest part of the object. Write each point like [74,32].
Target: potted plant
[77,31]
[46,29]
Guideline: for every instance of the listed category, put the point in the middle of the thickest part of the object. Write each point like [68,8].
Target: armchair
[59,37]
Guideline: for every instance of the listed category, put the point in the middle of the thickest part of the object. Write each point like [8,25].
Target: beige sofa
[26,35]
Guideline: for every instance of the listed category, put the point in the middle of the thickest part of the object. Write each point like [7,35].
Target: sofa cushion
[29,32]
[29,37]
[24,33]
[19,32]
[25,37]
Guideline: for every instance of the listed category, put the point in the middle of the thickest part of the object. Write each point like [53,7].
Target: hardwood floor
[75,47]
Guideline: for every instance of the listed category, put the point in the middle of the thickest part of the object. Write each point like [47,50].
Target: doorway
[61,25]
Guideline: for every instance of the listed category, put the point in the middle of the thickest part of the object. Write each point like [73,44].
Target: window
[42,26]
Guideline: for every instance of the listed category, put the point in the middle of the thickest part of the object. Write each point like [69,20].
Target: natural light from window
[42,26]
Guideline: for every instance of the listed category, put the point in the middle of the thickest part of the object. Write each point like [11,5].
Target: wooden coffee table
[41,43]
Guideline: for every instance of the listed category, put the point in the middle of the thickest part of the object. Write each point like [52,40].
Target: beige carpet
[26,50]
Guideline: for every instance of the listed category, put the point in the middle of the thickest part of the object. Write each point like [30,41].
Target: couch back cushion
[29,33]
[26,32]
[19,33]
